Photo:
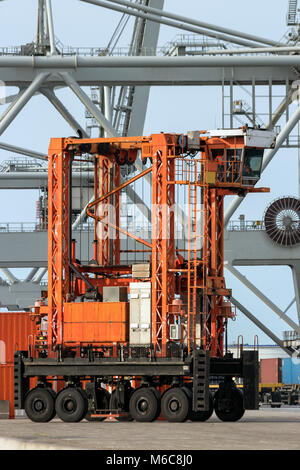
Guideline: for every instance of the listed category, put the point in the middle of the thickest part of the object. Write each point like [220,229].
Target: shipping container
[271,371]
[291,371]
[16,330]
[105,322]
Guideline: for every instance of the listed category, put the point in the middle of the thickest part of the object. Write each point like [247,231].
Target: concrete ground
[265,429]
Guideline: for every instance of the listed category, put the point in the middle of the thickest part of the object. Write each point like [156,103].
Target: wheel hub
[142,405]
[70,405]
[38,405]
[174,405]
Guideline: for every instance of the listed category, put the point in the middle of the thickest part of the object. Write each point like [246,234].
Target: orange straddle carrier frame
[187,284]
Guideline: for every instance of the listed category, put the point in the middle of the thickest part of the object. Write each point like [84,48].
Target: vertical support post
[58,239]
[50,27]
[231,104]
[103,229]
[116,241]
[253,102]
[163,245]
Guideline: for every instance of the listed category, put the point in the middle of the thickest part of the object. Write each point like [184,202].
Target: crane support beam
[63,111]
[74,62]
[192,21]
[168,73]
[184,23]
[23,151]
[87,102]
[50,27]
[22,100]
[262,297]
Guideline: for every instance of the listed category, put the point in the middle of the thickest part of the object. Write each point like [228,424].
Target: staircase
[292,13]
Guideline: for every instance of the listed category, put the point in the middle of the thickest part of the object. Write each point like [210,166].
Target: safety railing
[11,227]
[245,225]
[291,335]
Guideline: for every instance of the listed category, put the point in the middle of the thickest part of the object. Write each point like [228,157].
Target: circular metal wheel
[71,404]
[175,405]
[144,405]
[103,399]
[199,415]
[282,221]
[234,409]
[40,405]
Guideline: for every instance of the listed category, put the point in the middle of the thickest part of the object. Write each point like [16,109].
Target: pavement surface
[266,429]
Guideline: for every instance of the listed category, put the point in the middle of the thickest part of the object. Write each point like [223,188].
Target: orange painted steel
[58,238]
[96,322]
[103,219]
[16,333]
[197,277]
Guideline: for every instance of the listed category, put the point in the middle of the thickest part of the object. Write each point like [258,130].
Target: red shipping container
[271,371]
[16,330]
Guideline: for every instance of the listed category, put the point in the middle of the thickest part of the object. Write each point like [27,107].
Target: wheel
[199,415]
[114,405]
[103,400]
[175,405]
[40,404]
[144,405]
[71,404]
[233,409]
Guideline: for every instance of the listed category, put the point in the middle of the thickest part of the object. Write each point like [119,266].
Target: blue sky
[170,109]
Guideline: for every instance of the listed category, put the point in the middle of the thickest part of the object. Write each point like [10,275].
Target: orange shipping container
[101,322]
[15,332]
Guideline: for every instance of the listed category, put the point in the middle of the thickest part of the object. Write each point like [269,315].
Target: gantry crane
[156,350]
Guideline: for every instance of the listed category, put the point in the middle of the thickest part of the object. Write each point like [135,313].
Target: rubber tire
[47,396]
[199,416]
[79,397]
[180,395]
[124,419]
[150,414]
[107,396]
[237,409]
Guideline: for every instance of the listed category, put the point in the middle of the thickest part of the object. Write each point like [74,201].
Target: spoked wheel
[231,409]
[71,404]
[40,404]
[175,405]
[103,400]
[199,415]
[144,405]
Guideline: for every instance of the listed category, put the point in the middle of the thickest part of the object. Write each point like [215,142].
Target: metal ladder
[292,13]
[195,242]
[200,380]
